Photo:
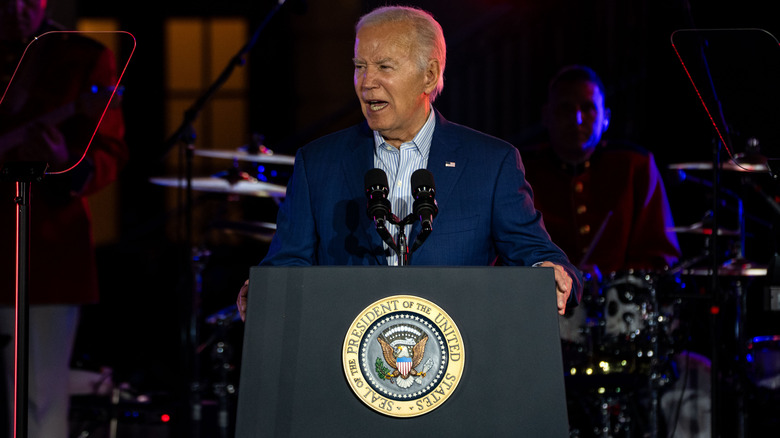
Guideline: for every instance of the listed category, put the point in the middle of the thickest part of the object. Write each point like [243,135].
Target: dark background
[501,53]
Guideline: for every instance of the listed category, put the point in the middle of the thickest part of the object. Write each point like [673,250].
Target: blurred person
[604,202]
[62,263]
[585,183]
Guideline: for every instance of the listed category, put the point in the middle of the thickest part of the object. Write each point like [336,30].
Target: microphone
[375,182]
[424,207]
[378,208]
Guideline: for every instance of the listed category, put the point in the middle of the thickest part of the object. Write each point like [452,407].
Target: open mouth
[376,105]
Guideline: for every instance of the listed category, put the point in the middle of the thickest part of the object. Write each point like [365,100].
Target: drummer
[604,203]
[614,214]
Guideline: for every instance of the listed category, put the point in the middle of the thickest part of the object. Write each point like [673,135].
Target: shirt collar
[422,140]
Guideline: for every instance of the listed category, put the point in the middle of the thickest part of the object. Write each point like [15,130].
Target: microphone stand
[24,173]
[185,133]
[401,247]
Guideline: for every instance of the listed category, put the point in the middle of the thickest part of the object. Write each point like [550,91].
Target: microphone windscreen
[375,177]
[422,178]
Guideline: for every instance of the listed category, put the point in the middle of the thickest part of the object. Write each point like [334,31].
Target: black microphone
[378,208]
[375,182]
[424,192]
[424,207]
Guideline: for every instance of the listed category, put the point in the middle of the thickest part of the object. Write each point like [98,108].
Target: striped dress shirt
[399,164]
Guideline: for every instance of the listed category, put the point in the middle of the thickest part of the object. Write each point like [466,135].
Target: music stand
[33,98]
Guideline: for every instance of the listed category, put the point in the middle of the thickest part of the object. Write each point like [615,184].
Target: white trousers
[52,331]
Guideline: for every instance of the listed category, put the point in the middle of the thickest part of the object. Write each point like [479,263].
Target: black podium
[293,380]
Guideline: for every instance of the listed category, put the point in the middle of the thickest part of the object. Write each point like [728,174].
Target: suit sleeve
[295,241]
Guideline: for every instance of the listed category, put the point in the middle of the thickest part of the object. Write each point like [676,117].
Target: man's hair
[428,39]
[574,73]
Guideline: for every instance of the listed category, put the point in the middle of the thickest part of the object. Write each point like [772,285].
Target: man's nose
[369,77]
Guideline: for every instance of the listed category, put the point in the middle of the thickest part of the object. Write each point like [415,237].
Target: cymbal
[221,185]
[729,165]
[732,268]
[262,231]
[242,155]
[698,228]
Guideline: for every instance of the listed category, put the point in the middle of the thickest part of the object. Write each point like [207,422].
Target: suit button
[582,209]
[585,229]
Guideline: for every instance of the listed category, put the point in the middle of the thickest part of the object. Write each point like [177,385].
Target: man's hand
[563,284]
[243,300]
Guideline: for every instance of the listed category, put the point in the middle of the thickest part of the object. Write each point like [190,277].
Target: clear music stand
[48,88]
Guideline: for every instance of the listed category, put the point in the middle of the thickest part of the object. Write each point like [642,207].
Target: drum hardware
[261,231]
[243,154]
[616,346]
[730,166]
[700,228]
[221,357]
[224,183]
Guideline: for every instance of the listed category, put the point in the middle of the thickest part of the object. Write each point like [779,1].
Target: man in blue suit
[486,210]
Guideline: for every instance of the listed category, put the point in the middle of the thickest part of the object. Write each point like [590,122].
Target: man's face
[576,119]
[19,19]
[393,90]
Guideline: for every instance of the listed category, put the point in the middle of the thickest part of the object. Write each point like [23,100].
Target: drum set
[257,175]
[661,353]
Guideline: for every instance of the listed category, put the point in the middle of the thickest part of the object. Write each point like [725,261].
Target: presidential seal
[403,356]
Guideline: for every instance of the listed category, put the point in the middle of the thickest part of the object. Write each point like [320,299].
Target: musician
[603,201]
[485,204]
[52,124]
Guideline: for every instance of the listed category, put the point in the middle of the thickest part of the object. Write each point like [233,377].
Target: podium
[300,320]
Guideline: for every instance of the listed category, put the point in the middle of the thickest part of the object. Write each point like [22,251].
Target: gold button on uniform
[585,229]
[582,209]
[578,187]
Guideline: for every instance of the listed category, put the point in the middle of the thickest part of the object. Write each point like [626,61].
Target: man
[603,202]
[62,262]
[485,205]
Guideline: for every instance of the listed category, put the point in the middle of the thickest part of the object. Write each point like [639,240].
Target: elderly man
[486,209]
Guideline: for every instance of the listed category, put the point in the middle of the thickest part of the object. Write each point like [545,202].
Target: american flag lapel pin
[449,164]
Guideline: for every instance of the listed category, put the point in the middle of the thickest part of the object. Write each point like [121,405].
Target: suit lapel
[446,161]
[359,158]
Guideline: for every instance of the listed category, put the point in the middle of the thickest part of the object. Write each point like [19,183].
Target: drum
[630,323]
[763,362]
[628,305]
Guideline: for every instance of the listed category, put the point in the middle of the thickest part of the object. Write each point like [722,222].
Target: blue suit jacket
[485,205]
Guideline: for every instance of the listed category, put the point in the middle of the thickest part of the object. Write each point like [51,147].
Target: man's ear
[432,72]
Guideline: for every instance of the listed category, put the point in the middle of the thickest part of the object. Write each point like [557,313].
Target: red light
[714,310]
[165,418]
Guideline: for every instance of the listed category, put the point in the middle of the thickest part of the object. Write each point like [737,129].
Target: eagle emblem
[403,347]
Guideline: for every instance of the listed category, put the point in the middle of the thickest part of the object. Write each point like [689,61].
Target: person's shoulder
[471,134]
[341,137]
[336,144]
[487,144]
[626,147]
